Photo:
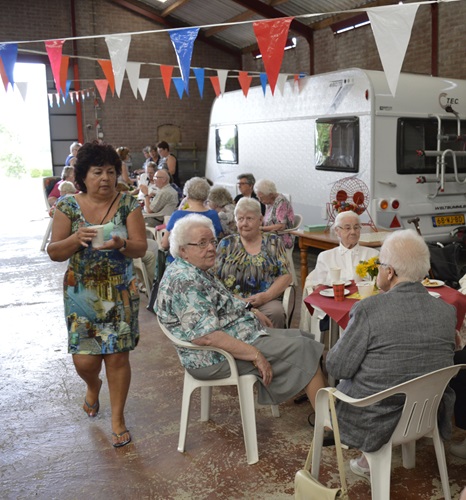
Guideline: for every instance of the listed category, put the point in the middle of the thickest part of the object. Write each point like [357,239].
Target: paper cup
[98,240]
[365,289]
[338,290]
[335,274]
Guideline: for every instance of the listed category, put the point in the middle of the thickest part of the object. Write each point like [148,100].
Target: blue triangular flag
[263,78]
[9,53]
[199,73]
[179,84]
[183,42]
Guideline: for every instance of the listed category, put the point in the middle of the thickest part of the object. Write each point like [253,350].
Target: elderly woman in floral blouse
[195,306]
[253,265]
[279,214]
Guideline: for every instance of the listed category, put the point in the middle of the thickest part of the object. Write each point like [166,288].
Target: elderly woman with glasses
[347,255]
[253,265]
[196,307]
[391,338]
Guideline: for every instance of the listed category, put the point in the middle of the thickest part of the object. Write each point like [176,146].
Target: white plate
[347,283]
[329,292]
[433,283]
[434,294]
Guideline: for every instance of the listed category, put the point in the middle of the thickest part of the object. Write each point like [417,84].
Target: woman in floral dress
[279,214]
[253,265]
[100,294]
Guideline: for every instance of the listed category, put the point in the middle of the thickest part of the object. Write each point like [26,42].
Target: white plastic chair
[139,266]
[418,419]
[289,300]
[244,383]
[307,322]
[46,237]
[298,219]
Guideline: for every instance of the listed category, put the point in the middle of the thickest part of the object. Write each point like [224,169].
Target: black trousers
[458,384]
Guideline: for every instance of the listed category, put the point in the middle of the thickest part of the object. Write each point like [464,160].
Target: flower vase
[374,282]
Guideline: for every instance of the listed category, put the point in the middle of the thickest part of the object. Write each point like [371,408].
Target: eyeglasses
[243,183]
[246,219]
[204,243]
[347,229]
[378,263]
[159,177]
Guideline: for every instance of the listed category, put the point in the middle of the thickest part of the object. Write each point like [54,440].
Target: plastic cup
[365,289]
[98,240]
[338,290]
[335,274]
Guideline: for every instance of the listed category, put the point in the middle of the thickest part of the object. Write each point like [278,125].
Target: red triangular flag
[54,50]
[3,75]
[167,72]
[106,66]
[245,82]
[102,86]
[215,84]
[64,72]
[271,37]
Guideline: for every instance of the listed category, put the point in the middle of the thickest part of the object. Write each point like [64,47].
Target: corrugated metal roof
[240,36]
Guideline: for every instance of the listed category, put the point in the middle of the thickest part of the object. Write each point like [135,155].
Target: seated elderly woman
[253,265]
[67,174]
[346,256]
[279,213]
[391,338]
[197,191]
[221,201]
[196,307]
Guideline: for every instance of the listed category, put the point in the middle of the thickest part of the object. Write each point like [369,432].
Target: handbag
[307,487]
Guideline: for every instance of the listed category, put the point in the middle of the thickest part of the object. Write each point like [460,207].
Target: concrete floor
[50,449]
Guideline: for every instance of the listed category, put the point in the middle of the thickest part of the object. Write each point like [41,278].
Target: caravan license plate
[448,220]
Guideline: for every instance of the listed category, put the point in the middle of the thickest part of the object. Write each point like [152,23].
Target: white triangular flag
[118,48]
[392,27]
[222,79]
[143,84]
[281,80]
[23,89]
[132,70]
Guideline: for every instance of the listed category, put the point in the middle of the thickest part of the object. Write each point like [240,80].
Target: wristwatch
[248,306]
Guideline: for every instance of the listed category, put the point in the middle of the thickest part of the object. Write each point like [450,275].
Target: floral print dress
[245,274]
[100,293]
[281,212]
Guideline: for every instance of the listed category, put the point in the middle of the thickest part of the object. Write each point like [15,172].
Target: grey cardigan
[390,338]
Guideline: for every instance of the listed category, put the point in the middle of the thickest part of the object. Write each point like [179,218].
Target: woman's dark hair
[93,154]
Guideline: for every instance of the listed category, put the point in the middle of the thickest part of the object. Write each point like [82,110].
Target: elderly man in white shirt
[346,256]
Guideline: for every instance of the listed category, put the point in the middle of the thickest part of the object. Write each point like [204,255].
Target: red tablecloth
[339,311]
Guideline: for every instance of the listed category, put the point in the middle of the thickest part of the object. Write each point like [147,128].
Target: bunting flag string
[391,25]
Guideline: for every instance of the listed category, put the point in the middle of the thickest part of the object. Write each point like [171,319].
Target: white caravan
[409,150]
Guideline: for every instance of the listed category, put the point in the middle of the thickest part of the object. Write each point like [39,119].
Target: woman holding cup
[100,293]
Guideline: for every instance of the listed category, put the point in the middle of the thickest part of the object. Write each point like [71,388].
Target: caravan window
[416,134]
[337,144]
[226,144]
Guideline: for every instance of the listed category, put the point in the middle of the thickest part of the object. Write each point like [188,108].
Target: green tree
[11,161]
